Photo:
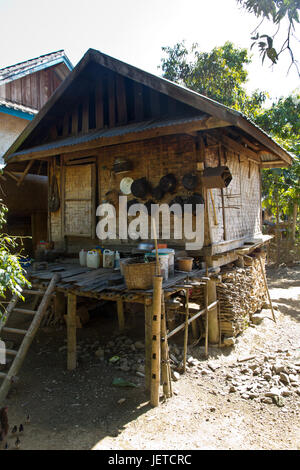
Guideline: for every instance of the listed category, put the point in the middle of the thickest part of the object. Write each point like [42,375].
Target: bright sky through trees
[133,31]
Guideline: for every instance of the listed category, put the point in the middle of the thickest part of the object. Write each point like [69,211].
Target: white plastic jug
[93,259]
[171,254]
[108,259]
[82,257]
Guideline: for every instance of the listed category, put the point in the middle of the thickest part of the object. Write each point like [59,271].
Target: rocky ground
[242,397]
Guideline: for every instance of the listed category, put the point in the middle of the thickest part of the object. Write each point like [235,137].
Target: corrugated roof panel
[14,71]
[17,107]
[106,133]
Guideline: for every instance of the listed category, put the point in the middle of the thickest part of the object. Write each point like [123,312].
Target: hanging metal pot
[122,166]
[158,193]
[140,188]
[168,183]
[190,181]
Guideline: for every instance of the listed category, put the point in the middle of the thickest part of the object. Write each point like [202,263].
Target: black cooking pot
[140,188]
[158,193]
[190,181]
[168,183]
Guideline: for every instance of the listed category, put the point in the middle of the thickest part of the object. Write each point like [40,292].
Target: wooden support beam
[154,102]
[10,173]
[99,105]
[121,99]
[138,101]
[71,331]
[266,287]
[165,361]
[28,166]
[75,121]
[121,318]
[85,116]
[148,344]
[111,100]
[155,357]
[239,148]
[186,328]
[213,323]
[66,125]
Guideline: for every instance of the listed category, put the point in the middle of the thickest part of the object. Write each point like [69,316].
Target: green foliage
[12,277]
[275,11]
[281,187]
[219,74]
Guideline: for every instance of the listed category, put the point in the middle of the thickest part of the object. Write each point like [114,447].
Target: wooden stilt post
[186,327]
[165,362]
[206,318]
[71,329]
[121,318]
[148,343]
[155,358]
[213,323]
[266,287]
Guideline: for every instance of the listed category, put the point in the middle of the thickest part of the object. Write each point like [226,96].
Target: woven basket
[138,275]
[185,264]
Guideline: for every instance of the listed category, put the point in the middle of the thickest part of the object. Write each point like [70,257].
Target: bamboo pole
[186,327]
[30,333]
[214,207]
[165,362]
[121,318]
[148,344]
[155,357]
[266,287]
[206,319]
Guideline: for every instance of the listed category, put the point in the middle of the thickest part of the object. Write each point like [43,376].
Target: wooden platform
[102,283]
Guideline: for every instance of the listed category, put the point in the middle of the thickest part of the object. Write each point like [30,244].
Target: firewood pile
[241,293]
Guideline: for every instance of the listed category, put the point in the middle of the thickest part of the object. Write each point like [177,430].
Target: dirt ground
[80,409]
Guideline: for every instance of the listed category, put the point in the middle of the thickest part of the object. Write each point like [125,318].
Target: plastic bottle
[117,260]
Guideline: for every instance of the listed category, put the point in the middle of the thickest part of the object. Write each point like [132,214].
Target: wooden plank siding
[111,100]
[32,90]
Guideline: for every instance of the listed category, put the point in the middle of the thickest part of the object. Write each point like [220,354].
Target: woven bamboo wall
[153,159]
[241,199]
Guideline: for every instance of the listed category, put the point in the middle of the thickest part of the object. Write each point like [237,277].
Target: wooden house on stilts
[107,112]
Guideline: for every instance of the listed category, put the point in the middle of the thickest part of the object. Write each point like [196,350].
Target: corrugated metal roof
[15,71]
[173,90]
[116,131]
[17,107]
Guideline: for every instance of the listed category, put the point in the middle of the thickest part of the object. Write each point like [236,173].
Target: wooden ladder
[28,335]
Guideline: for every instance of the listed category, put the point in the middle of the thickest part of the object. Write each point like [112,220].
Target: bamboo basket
[138,275]
[185,264]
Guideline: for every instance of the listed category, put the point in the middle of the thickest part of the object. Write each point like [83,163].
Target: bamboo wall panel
[79,203]
[78,218]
